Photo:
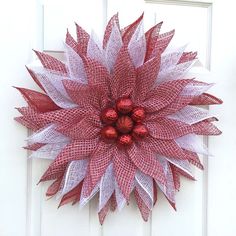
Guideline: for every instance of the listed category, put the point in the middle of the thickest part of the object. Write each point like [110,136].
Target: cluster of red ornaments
[123,123]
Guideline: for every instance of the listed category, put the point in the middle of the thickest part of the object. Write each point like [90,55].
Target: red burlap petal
[103,212]
[144,210]
[176,177]
[164,128]
[124,172]
[76,150]
[99,161]
[82,39]
[129,30]
[89,97]
[151,36]
[35,78]
[114,20]
[70,41]
[41,102]
[154,192]
[162,42]
[194,159]
[205,127]
[113,205]
[145,160]
[53,188]
[34,146]
[87,128]
[123,79]
[51,63]
[72,195]
[97,74]
[32,117]
[187,56]
[146,76]
[27,123]
[168,148]
[65,116]
[206,99]
[164,95]
[183,173]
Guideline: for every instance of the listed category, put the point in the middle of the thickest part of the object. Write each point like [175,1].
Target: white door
[205,207]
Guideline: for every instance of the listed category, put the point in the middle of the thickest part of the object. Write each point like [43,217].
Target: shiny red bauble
[125,140]
[124,124]
[138,114]
[140,131]
[124,105]
[109,133]
[109,116]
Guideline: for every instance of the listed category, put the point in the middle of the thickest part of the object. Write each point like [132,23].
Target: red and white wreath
[117,117]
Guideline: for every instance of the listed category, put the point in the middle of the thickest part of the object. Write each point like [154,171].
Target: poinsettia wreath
[117,118]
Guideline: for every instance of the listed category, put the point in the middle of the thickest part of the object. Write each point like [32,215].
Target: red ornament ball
[109,133]
[124,124]
[138,114]
[140,131]
[125,140]
[124,105]
[109,116]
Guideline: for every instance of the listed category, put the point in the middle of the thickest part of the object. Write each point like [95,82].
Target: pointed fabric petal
[76,150]
[206,99]
[54,187]
[183,165]
[162,42]
[113,47]
[145,160]
[170,59]
[71,196]
[34,147]
[164,94]
[75,173]
[164,128]
[120,199]
[88,97]
[146,76]
[195,160]
[97,74]
[124,76]
[151,37]
[191,115]
[193,143]
[124,172]
[100,160]
[34,77]
[103,212]
[137,46]
[176,177]
[174,72]
[27,123]
[169,188]
[75,65]
[107,187]
[87,128]
[39,101]
[70,41]
[206,128]
[109,28]
[128,31]
[54,88]
[47,134]
[183,173]
[144,186]
[167,148]
[95,51]
[144,210]
[49,151]
[188,56]
[51,63]
[82,39]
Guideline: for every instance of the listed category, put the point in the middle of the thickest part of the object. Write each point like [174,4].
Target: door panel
[201,24]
